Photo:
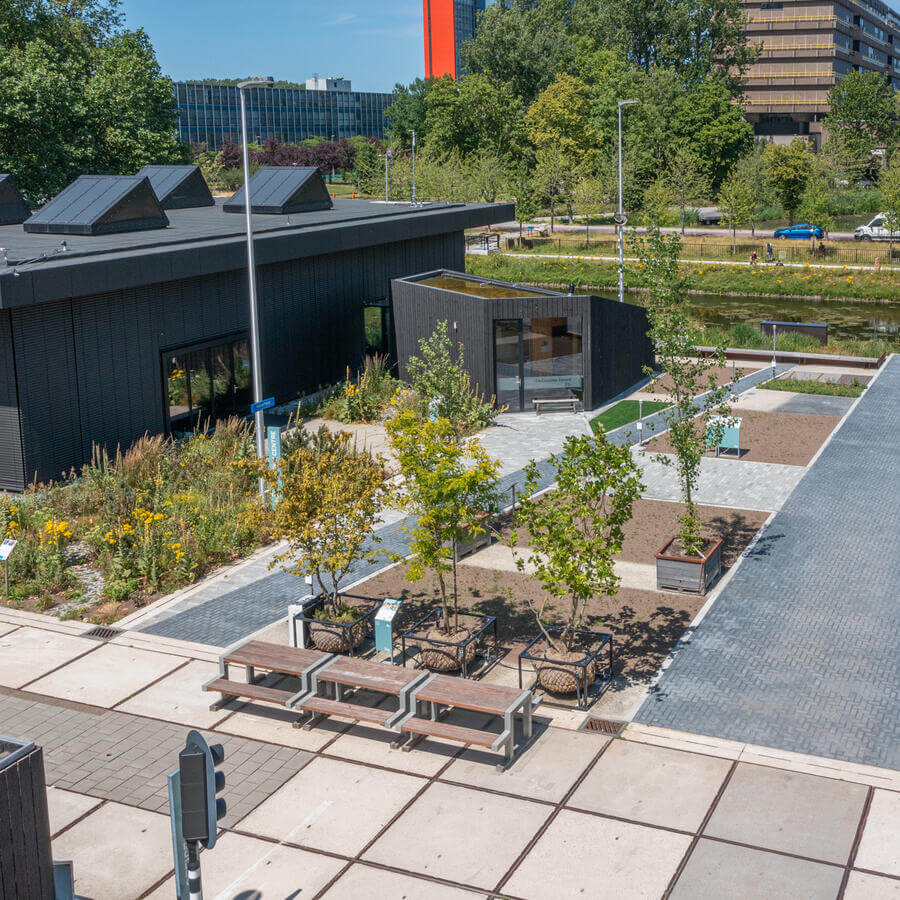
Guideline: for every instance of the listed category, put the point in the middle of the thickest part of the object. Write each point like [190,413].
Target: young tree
[889,182]
[443,387]
[561,118]
[737,201]
[331,497]
[528,204]
[555,175]
[593,196]
[488,174]
[752,170]
[575,532]
[686,178]
[817,203]
[447,486]
[659,198]
[788,167]
[675,338]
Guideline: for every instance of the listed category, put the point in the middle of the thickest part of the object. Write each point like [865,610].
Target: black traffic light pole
[198,782]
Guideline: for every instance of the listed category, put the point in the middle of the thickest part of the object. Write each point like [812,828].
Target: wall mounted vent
[100,204]
[281,190]
[178,187]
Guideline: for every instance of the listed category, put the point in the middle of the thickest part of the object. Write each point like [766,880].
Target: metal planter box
[688,573]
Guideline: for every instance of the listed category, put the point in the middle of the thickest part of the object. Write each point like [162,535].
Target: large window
[205,383]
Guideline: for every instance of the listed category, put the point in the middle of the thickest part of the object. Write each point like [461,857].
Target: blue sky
[375,44]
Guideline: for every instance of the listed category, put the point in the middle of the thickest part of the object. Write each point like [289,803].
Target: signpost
[384,627]
[273,441]
[268,403]
[6,549]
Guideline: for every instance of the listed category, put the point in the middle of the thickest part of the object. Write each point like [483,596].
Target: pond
[846,321]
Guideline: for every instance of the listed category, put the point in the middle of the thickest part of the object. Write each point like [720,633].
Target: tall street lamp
[620,223]
[387,158]
[414,167]
[256,362]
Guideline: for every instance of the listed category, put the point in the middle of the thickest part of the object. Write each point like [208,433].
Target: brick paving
[799,651]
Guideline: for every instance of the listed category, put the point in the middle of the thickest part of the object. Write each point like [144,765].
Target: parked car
[709,215]
[876,230]
[800,232]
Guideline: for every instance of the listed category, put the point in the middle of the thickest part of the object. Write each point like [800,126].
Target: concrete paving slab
[862,886]
[465,836]
[245,867]
[817,405]
[275,726]
[544,771]
[652,784]
[178,698]
[29,653]
[879,848]
[719,870]
[6,628]
[66,806]
[333,805]
[119,851]
[107,676]
[581,855]
[367,881]
[780,810]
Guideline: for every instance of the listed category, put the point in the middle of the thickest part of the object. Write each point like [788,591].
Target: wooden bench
[439,693]
[566,402]
[273,658]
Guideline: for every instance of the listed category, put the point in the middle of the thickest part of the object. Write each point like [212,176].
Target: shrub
[363,398]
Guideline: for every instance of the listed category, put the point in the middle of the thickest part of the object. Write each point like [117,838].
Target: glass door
[508,363]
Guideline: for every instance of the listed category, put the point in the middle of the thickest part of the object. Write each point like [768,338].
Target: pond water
[846,321]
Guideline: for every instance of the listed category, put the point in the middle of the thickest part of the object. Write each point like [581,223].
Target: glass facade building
[211,113]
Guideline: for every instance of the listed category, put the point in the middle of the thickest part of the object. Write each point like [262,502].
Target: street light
[387,158]
[620,224]
[256,362]
[414,167]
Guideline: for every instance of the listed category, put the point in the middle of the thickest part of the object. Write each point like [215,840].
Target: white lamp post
[620,225]
[251,279]
[414,167]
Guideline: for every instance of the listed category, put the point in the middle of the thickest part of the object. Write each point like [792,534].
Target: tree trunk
[682,221]
[445,611]
[455,592]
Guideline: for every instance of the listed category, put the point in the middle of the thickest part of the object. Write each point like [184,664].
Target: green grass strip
[814,387]
[625,411]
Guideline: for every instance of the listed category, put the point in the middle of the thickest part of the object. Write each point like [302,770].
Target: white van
[875,231]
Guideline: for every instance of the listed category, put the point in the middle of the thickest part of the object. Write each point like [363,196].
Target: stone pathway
[799,651]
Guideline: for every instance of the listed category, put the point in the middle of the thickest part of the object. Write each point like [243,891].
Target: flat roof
[204,240]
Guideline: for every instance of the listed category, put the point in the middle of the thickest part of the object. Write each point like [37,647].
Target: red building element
[440,38]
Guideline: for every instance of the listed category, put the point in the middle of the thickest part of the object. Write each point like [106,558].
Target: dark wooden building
[108,333]
[524,344]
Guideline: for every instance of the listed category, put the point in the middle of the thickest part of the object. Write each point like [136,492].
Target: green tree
[444,387]
[817,205]
[751,169]
[889,182]
[488,174]
[659,198]
[556,176]
[447,486]
[561,117]
[737,200]
[675,337]
[80,95]
[576,532]
[593,195]
[528,203]
[406,113]
[788,168]
[863,115]
[687,178]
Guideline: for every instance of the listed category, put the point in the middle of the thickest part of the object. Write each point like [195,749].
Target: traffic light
[200,782]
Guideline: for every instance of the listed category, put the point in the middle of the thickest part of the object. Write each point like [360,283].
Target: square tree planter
[676,572]
[442,653]
[569,676]
[339,637]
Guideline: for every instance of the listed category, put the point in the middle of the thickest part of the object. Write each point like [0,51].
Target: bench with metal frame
[439,693]
[570,402]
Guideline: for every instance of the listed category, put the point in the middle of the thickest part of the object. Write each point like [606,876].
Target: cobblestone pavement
[253,596]
[800,649]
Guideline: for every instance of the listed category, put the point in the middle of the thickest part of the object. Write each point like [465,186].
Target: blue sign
[273,439]
[268,403]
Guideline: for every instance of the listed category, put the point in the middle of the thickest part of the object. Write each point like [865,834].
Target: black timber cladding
[100,204]
[178,187]
[282,190]
[614,338]
[13,208]
[12,470]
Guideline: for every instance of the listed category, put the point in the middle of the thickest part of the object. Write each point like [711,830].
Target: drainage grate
[602,726]
[101,633]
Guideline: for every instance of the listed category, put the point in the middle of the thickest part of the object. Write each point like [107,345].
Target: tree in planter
[691,422]
[443,387]
[576,531]
[331,495]
[448,486]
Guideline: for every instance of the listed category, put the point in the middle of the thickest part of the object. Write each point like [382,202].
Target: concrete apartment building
[806,47]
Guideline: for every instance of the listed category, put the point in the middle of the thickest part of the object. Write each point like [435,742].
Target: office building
[327,108]
[807,47]
[124,304]
[448,25]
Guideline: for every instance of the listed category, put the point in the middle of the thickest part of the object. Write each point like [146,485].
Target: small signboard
[6,549]
[384,627]
[268,403]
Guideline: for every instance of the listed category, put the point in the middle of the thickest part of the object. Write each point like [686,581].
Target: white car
[876,230]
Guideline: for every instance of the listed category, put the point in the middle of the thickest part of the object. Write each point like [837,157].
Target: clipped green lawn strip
[625,411]
[814,387]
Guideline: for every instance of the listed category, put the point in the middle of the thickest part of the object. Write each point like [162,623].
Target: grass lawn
[625,411]
[814,387]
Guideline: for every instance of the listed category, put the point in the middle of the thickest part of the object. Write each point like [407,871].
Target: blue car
[800,232]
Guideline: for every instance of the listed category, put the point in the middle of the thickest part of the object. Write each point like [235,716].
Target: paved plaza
[800,649]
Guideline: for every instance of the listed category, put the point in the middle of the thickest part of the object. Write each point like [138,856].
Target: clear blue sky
[375,44]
